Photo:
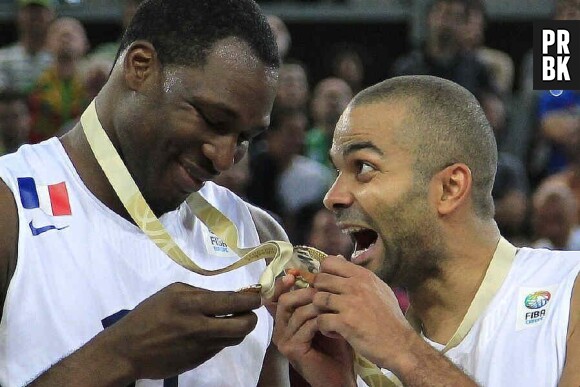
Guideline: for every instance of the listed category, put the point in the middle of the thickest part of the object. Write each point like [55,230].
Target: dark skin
[189,123]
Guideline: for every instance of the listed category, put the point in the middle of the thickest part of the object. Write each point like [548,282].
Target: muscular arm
[275,367]
[8,240]
[571,373]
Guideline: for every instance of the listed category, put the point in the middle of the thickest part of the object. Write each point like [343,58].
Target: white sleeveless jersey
[81,267]
[520,339]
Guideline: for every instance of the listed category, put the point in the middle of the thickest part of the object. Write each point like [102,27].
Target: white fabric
[304,182]
[67,281]
[508,345]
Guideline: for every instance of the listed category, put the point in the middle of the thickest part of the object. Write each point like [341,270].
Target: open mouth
[364,239]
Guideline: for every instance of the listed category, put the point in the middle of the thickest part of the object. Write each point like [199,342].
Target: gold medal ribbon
[283,253]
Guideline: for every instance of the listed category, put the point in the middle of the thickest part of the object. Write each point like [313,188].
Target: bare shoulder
[8,239]
[268,228]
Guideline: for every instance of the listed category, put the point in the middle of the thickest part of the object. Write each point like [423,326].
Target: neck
[441,303]
[77,147]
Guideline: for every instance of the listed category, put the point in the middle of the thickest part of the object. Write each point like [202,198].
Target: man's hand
[355,304]
[171,332]
[322,361]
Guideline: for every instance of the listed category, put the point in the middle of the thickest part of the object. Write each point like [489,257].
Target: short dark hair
[445,125]
[183,31]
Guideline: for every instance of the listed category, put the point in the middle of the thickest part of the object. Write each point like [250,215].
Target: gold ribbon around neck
[497,271]
[283,254]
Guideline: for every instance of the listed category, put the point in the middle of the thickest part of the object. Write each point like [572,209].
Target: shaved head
[444,125]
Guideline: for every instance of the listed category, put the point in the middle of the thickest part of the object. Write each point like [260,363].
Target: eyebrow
[364,145]
[356,146]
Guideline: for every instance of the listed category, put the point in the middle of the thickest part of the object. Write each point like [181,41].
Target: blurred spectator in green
[330,98]
[59,95]
[21,63]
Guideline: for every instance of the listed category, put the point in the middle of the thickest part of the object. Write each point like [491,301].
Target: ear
[453,187]
[140,64]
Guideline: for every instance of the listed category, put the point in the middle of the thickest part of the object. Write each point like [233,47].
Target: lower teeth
[359,252]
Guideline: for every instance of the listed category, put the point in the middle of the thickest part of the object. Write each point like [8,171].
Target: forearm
[96,364]
[275,369]
[424,366]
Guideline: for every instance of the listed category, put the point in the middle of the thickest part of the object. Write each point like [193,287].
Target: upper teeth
[352,230]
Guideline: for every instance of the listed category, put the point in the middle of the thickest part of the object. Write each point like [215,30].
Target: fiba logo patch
[534,306]
[215,246]
[537,300]
[557,55]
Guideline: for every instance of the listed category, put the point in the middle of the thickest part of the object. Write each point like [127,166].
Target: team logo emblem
[534,305]
[537,300]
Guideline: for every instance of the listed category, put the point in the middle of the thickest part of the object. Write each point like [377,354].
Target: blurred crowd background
[56,55]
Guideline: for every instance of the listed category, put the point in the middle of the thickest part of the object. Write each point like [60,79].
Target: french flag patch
[52,199]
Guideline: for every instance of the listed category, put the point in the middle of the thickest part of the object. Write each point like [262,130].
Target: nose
[222,152]
[338,196]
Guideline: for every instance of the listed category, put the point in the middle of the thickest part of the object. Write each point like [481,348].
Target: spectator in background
[293,90]
[554,218]
[325,235]
[95,71]
[14,121]
[347,64]
[442,54]
[542,121]
[570,176]
[108,51]
[282,180]
[330,97]
[499,63]
[283,38]
[510,188]
[22,62]
[559,117]
[59,96]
